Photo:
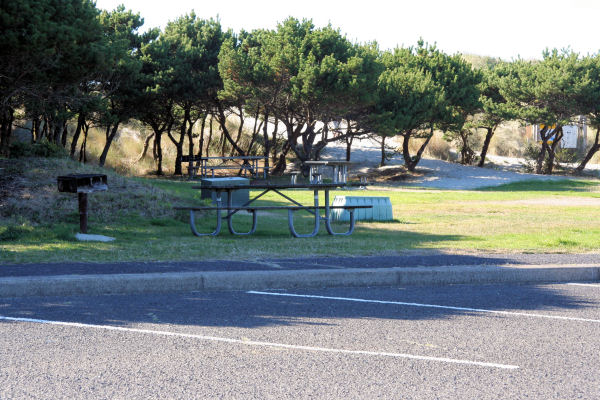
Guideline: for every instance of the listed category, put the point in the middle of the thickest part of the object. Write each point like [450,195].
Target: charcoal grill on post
[82,184]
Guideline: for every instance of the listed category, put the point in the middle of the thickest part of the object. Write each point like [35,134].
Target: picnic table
[250,164]
[314,209]
[340,170]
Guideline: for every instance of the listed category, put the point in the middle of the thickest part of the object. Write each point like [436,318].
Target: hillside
[29,197]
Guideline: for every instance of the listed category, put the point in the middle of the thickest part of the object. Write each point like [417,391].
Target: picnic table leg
[317,220]
[327,219]
[217,229]
[230,218]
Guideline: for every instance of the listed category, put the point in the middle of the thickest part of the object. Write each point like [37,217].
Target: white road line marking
[263,344]
[400,303]
[584,284]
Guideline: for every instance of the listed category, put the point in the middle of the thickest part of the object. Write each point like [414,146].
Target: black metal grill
[82,184]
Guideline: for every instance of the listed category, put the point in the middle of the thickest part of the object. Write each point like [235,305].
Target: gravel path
[435,173]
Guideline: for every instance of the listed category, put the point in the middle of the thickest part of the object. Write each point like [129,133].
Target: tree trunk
[179,143]
[45,129]
[157,141]
[222,121]
[157,146]
[82,150]
[274,143]
[593,150]
[466,152]
[109,139]
[486,144]
[80,123]
[349,139]
[57,132]
[6,121]
[210,133]
[266,139]
[201,142]
[36,125]
[239,132]
[280,165]
[382,162]
[65,133]
[410,162]
[190,133]
[257,127]
[552,151]
[544,135]
[146,146]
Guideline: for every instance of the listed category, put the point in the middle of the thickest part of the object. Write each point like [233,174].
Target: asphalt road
[494,341]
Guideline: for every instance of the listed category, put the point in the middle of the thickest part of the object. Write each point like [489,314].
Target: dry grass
[124,154]
[508,141]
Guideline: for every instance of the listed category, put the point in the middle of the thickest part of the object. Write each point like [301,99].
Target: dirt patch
[391,174]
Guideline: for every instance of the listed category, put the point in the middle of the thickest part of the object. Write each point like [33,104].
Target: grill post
[83,212]
[82,184]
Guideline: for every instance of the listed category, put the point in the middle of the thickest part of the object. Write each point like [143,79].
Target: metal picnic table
[277,188]
[249,163]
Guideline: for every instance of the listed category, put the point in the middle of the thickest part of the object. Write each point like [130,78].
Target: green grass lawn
[546,217]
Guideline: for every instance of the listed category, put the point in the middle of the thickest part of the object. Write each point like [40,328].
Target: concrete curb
[68,285]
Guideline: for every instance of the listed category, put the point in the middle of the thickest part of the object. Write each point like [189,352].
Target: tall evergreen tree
[47,48]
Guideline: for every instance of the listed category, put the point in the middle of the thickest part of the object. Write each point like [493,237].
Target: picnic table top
[329,162]
[313,186]
[196,158]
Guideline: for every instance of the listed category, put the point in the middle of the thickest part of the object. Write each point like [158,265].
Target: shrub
[43,148]
[530,154]
[12,233]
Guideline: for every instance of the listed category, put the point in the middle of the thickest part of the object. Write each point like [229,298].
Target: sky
[507,29]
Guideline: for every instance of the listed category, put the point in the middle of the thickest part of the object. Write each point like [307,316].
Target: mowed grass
[542,217]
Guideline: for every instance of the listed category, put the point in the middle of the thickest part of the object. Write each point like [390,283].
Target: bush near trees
[65,64]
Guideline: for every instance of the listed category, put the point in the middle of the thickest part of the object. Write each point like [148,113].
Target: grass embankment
[38,224]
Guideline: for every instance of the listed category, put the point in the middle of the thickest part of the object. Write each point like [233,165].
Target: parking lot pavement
[462,341]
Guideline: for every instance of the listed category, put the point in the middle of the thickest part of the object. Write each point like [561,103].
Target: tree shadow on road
[246,310]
